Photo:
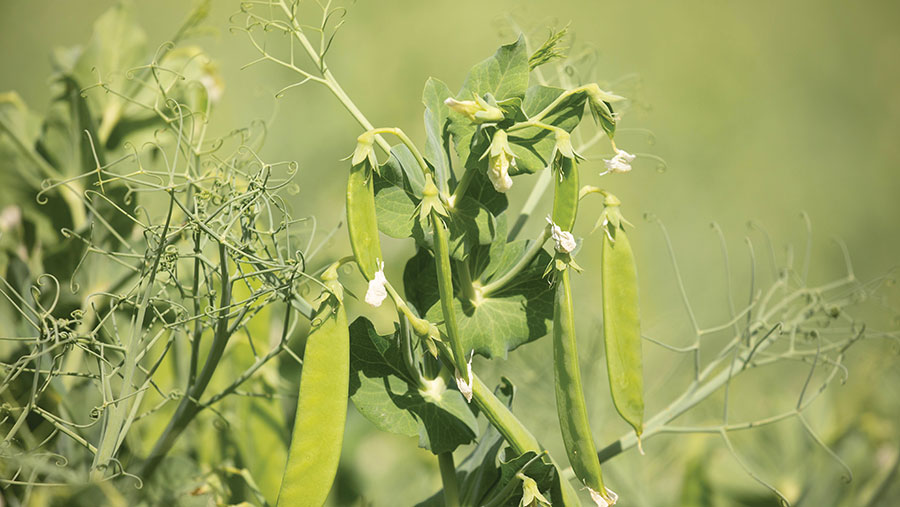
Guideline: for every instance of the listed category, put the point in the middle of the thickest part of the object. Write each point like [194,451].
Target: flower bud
[365,150]
[563,147]
[477,111]
[500,160]
[611,218]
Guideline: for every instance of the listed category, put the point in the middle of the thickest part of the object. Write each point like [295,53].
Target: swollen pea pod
[361,221]
[431,203]
[565,200]
[570,404]
[322,407]
[621,327]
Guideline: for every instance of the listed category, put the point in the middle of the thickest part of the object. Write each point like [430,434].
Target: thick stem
[448,478]
[117,418]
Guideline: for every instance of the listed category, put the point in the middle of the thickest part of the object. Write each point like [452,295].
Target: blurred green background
[761,110]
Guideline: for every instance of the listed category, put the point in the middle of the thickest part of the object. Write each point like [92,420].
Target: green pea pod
[622,329]
[321,410]
[570,405]
[565,201]
[361,220]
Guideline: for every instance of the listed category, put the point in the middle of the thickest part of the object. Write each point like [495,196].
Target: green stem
[190,406]
[117,418]
[448,478]
[465,283]
[408,142]
[330,82]
[461,188]
[535,121]
[698,391]
[523,262]
[516,434]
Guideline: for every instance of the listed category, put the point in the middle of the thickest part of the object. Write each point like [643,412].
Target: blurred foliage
[761,111]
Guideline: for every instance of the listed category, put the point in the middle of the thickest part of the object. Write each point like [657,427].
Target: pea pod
[445,289]
[565,201]
[361,221]
[622,328]
[570,404]
[322,407]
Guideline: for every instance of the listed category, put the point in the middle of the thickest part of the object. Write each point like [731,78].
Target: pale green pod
[321,410]
[565,200]
[362,224]
[622,329]
[570,404]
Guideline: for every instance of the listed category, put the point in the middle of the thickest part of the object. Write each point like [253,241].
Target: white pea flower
[10,217]
[376,293]
[604,500]
[465,385]
[214,87]
[565,242]
[620,163]
[500,160]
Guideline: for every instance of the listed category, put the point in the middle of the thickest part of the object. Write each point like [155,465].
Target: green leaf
[437,141]
[398,188]
[470,223]
[508,489]
[420,281]
[383,392]
[402,170]
[533,146]
[478,472]
[504,76]
[519,313]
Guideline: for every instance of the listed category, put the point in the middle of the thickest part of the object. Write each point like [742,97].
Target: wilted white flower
[377,292]
[620,163]
[465,384]
[610,498]
[565,242]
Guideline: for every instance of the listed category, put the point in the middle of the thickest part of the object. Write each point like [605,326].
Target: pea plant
[160,299]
